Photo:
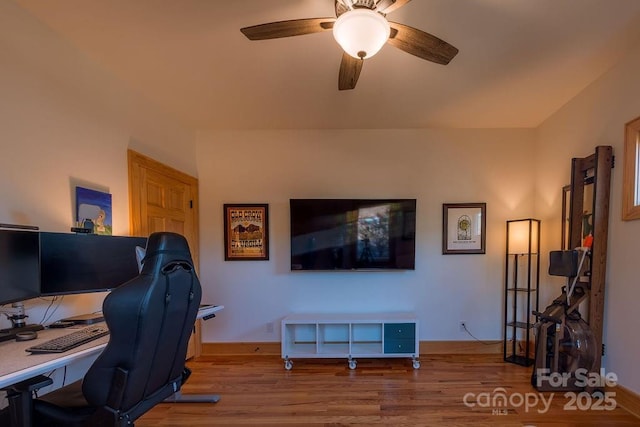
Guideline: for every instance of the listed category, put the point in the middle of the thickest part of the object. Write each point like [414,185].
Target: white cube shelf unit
[350,336]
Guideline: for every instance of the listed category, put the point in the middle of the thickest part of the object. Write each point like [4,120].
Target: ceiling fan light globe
[361,32]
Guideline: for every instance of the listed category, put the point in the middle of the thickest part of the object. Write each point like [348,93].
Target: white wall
[66,122]
[597,117]
[435,167]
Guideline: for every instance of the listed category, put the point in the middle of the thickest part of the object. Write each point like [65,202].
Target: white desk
[16,364]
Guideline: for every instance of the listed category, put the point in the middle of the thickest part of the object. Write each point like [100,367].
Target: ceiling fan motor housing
[369,4]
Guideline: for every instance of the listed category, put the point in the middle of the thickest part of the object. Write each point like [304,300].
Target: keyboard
[72,340]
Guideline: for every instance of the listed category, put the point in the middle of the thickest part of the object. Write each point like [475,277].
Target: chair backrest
[150,320]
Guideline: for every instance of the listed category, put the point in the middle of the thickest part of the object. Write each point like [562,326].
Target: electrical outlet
[462,326]
[270,327]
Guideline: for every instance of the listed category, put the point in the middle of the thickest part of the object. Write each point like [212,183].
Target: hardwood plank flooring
[258,391]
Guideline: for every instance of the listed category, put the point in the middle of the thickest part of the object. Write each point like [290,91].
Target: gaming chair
[150,319]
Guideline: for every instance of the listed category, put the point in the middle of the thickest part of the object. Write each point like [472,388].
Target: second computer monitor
[81,263]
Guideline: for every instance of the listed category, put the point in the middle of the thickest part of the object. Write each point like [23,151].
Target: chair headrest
[164,247]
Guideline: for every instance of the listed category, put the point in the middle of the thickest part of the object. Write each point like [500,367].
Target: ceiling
[519,60]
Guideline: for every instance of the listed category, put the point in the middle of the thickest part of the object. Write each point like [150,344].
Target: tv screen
[80,263]
[352,234]
[19,278]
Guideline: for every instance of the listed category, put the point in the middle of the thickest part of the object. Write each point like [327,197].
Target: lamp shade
[520,233]
[361,32]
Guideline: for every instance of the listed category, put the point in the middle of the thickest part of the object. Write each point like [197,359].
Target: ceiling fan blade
[350,68]
[421,44]
[295,27]
[388,6]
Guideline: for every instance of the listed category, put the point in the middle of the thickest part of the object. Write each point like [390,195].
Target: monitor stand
[85,319]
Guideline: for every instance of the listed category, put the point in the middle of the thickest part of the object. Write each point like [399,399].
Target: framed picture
[463,228]
[93,210]
[246,232]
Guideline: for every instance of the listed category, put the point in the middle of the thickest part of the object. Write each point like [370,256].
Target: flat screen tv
[352,234]
[81,263]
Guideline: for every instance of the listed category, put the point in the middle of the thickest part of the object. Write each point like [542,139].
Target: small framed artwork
[93,211]
[463,228]
[246,232]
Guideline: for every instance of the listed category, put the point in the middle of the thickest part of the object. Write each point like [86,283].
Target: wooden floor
[258,391]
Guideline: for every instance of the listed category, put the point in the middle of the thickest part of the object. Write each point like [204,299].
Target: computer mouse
[26,336]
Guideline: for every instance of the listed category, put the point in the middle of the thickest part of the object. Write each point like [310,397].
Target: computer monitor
[82,263]
[19,272]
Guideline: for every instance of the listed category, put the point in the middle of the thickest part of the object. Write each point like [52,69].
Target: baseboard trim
[627,399]
[426,347]
[460,347]
[240,348]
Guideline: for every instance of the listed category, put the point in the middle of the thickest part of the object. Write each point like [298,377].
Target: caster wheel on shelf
[352,364]
[288,364]
[416,364]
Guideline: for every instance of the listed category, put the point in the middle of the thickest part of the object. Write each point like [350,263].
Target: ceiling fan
[361,29]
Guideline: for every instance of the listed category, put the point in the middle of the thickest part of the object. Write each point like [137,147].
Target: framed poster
[463,228]
[246,232]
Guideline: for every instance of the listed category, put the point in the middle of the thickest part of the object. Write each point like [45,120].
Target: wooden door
[164,199]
